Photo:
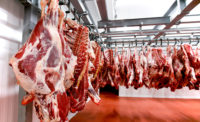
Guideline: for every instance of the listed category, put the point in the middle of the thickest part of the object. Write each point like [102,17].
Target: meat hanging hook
[197,40]
[85,13]
[143,42]
[181,41]
[161,42]
[156,42]
[175,41]
[167,41]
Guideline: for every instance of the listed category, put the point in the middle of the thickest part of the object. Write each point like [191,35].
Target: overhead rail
[149,31]
[142,41]
[176,19]
[134,22]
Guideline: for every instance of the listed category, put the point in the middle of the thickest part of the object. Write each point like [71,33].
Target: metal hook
[181,40]
[136,42]
[82,15]
[197,40]
[143,42]
[150,41]
[61,3]
[161,42]
[167,41]
[190,40]
[175,41]
[156,41]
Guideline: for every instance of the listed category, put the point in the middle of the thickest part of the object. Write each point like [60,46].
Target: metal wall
[11,25]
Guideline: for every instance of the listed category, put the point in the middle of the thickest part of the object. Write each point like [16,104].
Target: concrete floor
[117,109]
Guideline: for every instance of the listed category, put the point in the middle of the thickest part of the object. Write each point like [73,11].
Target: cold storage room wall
[11,26]
[161,93]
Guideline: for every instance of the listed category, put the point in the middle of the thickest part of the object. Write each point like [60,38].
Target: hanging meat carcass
[102,72]
[155,67]
[144,65]
[188,74]
[122,68]
[117,77]
[194,62]
[97,65]
[109,64]
[170,71]
[79,89]
[164,79]
[128,68]
[178,67]
[77,37]
[41,65]
[94,58]
[138,69]
[130,71]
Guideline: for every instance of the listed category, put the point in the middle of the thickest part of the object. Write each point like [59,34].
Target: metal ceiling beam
[150,31]
[134,22]
[84,4]
[102,9]
[177,3]
[184,12]
[81,9]
[130,41]
[169,11]
[150,34]
[181,4]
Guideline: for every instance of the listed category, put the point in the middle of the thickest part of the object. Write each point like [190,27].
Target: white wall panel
[161,93]
[11,25]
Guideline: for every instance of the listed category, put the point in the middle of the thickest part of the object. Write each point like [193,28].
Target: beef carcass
[178,67]
[170,71]
[41,65]
[127,71]
[93,67]
[164,80]
[155,67]
[97,66]
[79,90]
[129,65]
[117,77]
[77,37]
[109,64]
[188,72]
[122,72]
[138,70]
[194,62]
[144,65]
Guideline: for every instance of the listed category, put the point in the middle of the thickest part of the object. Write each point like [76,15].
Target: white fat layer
[116,60]
[28,84]
[57,43]
[90,65]
[131,78]
[140,76]
[91,52]
[112,84]
[94,95]
[193,74]
[25,81]
[49,99]
[69,74]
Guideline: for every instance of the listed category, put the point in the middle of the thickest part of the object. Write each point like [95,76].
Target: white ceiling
[128,9]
